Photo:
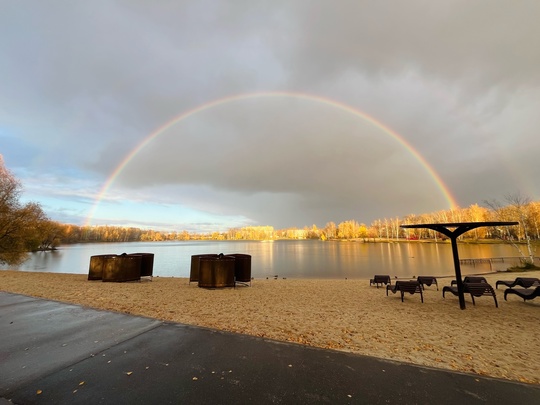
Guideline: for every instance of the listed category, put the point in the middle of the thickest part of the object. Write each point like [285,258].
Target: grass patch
[524,267]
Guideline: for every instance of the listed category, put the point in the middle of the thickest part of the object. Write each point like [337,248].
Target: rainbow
[301,96]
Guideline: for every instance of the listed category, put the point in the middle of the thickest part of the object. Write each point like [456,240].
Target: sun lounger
[427,280]
[471,279]
[524,282]
[380,279]
[406,286]
[525,293]
[474,289]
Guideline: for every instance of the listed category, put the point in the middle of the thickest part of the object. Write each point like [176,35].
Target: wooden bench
[380,279]
[474,289]
[410,287]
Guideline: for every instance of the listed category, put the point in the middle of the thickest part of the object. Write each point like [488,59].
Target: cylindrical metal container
[216,272]
[122,268]
[95,271]
[194,270]
[147,264]
[242,267]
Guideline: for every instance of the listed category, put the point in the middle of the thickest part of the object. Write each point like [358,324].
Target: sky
[209,115]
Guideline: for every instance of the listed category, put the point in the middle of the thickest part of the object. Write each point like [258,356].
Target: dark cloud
[83,84]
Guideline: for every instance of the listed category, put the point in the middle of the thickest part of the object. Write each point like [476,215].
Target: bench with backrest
[525,293]
[380,279]
[427,280]
[475,290]
[524,282]
[403,287]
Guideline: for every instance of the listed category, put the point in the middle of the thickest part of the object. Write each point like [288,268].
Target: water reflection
[300,259]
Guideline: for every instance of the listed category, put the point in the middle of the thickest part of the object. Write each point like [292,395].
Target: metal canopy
[453,231]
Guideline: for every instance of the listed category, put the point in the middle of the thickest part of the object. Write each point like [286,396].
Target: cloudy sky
[206,115]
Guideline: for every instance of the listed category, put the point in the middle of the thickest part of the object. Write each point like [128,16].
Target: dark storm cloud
[85,83]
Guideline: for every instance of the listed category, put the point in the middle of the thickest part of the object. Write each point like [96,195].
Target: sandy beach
[346,315]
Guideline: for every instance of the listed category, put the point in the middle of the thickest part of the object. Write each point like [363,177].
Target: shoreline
[346,315]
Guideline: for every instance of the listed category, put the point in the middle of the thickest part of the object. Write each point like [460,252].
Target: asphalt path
[57,353]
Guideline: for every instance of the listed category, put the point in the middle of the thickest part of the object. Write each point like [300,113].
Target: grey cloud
[82,84]
[480,44]
[283,155]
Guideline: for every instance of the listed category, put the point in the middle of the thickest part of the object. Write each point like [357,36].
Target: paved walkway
[55,353]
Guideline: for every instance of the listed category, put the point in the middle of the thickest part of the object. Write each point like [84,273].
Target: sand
[346,315]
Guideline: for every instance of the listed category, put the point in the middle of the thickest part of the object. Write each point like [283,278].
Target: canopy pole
[457,267]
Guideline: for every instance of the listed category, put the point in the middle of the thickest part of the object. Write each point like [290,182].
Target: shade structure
[242,267]
[120,268]
[453,231]
[216,272]
[147,264]
[97,262]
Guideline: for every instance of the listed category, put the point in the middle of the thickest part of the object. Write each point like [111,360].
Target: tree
[50,234]
[350,230]
[22,227]
[330,230]
[517,210]
[313,233]
[475,213]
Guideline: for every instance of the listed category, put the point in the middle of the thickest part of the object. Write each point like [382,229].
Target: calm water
[292,259]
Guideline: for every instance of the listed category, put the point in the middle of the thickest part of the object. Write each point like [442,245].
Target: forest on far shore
[516,208]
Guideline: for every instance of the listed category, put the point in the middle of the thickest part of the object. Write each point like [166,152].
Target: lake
[286,258]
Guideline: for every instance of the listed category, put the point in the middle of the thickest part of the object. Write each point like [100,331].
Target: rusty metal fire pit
[216,272]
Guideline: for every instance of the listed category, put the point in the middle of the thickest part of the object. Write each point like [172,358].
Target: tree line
[25,227]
